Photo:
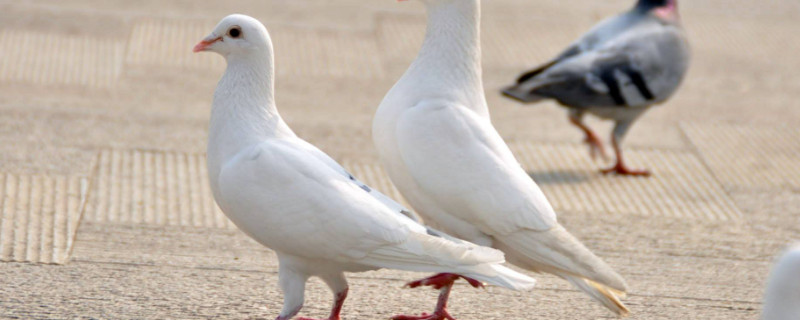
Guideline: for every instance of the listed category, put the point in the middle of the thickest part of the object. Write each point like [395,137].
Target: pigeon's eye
[235,32]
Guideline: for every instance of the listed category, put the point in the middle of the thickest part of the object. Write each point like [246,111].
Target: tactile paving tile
[59,59]
[681,187]
[734,38]
[749,157]
[400,37]
[154,187]
[324,52]
[521,44]
[171,188]
[170,43]
[298,51]
[40,215]
[504,42]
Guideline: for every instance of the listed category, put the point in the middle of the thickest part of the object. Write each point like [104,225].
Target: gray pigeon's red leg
[620,168]
[443,282]
[595,144]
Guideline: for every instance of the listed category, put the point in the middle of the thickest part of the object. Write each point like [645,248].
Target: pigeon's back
[782,297]
[632,60]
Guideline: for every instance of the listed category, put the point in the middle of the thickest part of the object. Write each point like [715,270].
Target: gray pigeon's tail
[518,93]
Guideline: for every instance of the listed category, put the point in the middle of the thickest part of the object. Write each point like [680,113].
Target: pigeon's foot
[595,146]
[443,280]
[337,307]
[443,315]
[621,169]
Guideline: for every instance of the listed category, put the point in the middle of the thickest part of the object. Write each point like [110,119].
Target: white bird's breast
[235,198]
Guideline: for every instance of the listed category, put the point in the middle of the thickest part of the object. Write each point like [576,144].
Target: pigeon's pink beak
[205,43]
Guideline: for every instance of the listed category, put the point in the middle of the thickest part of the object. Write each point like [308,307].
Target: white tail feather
[607,296]
[557,252]
[503,277]
[425,253]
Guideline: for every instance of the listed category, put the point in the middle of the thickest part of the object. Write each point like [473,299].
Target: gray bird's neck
[647,5]
[449,62]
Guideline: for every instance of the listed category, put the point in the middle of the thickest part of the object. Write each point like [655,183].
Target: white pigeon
[291,197]
[437,143]
[782,298]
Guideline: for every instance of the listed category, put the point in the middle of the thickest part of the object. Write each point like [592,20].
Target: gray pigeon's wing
[598,35]
[642,66]
[572,51]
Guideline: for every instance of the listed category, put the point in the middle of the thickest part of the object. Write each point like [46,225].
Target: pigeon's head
[664,9]
[236,34]
[652,4]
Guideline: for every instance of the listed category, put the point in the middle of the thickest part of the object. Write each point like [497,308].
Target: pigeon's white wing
[289,200]
[327,160]
[392,205]
[783,287]
[473,172]
[461,163]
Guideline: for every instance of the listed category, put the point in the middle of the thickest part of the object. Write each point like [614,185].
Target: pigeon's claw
[443,280]
[595,146]
[443,315]
[621,169]
[337,318]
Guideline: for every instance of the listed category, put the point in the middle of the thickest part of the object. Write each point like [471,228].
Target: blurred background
[103,116]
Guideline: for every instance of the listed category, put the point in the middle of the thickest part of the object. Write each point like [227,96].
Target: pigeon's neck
[664,9]
[244,112]
[449,62]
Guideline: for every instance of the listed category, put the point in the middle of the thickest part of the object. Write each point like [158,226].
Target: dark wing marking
[388,202]
[610,79]
[607,68]
[641,84]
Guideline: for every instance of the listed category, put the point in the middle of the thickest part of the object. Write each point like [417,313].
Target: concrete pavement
[106,211]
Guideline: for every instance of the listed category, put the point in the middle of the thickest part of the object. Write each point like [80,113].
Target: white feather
[290,196]
[435,138]
[782,297]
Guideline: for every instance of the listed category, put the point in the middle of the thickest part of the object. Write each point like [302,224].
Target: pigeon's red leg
[443,282]
[595,144]
[289,316]
[620,168]
[337,307]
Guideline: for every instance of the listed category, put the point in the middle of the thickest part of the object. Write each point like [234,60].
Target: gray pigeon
[617,71]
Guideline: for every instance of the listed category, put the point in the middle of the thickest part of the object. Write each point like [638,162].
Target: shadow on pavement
[560,176]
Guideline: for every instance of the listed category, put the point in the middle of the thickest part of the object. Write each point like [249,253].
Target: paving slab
[683,188]
[103,103]
[699,280]
[40,216]
[48,58]
[154,187]
[750,157]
